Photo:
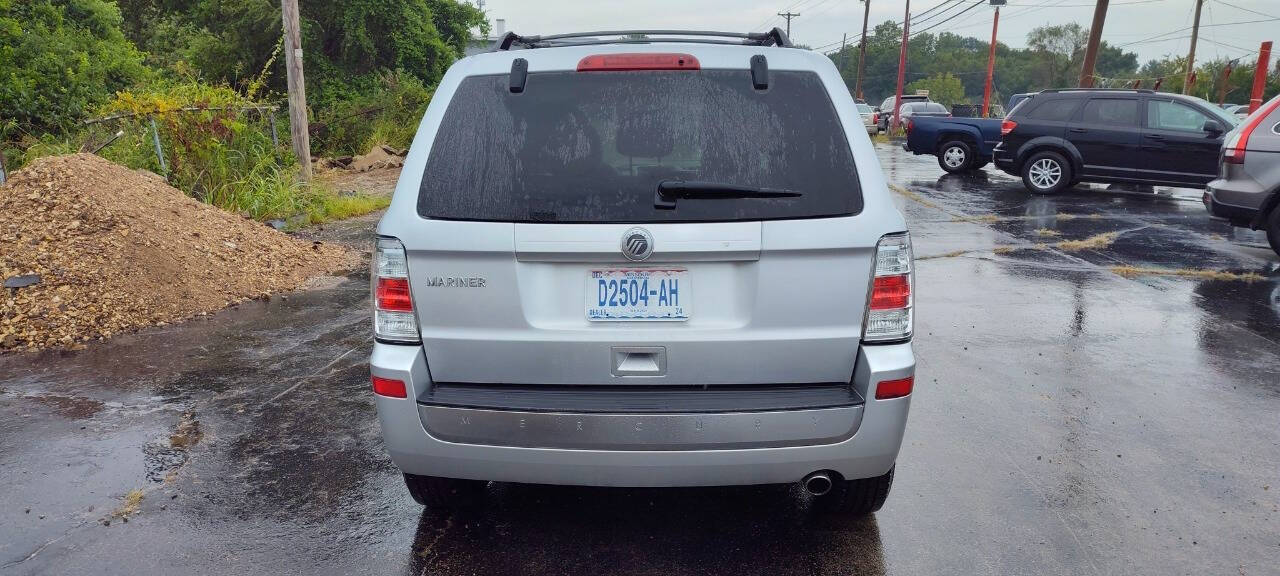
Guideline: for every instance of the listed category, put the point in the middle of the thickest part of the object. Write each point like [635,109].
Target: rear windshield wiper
[670,190]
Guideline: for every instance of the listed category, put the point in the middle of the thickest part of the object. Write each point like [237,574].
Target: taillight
[889,305]
[638,61]
[910,125]
[393,315]
[875,118]
[1233,149]
[1007,126]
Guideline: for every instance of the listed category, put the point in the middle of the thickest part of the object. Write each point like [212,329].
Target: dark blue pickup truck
[961,144]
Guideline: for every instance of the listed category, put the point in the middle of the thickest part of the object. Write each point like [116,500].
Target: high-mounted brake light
[889,305]
[638,61]
[1233,149]
[393,315]
[1007,126]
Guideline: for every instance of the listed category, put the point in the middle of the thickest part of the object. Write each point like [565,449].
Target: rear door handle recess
[639,360]
[1077,130]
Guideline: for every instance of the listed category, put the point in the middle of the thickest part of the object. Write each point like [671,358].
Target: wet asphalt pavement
[1066,420]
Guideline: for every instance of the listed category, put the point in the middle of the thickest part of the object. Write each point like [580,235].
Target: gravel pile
[89,248]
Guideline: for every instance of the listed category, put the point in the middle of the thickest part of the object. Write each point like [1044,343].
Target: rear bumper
[693,449]
[1004,160]
[1234,200]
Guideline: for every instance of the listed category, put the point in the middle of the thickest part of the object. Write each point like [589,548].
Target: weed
[951,254]
[1095,242]
[983,218]
[1048,232]
[1134,272]
[340,207]
[129,505]
[913,195]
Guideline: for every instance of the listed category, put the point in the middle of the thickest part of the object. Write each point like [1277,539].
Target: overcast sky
[821,22]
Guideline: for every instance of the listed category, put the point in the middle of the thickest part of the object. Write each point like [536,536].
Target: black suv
[1058,138]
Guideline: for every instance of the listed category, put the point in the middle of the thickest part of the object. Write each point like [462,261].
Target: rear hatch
[640,227]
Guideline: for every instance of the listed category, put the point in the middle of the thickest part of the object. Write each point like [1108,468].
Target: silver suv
[1247,191]
[668,260]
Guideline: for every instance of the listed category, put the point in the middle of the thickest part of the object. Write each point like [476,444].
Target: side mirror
[1213,127]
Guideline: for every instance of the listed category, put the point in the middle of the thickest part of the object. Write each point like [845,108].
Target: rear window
[1058,110]
[931,107]
[1111,112]
[594,146]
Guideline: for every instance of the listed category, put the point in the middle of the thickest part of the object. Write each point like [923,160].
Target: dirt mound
[89,248]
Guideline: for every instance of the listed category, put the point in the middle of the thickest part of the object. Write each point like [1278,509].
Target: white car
[657,262]
[869,118]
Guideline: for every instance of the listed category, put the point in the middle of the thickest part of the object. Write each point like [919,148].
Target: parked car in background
[1237,110]
[869,118]
[624,295]
[910,110]
[1247,190]
[886,107]
[1061,137]
[961,144]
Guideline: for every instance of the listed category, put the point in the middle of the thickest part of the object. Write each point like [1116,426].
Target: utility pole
[788,15]
[842,40]
[298,127]
[1091,49]
[1260,76]
[991,66]
[862,48]
[1226,79]
[1191,56]
[902,67]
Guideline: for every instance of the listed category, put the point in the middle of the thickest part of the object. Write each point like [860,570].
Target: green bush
[376,109]
[58,60]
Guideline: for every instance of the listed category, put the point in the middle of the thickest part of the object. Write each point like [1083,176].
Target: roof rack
[775,37]
[1135,90]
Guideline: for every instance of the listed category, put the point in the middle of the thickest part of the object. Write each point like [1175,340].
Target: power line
[1159,37]
[1245,9]
[925,16]
[952,17]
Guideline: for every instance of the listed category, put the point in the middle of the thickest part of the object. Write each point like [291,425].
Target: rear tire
[1046,173]
[856,497]
[444,494]
[955,156]
[1273,230]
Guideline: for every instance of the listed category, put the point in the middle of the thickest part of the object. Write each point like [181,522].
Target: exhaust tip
[817,484]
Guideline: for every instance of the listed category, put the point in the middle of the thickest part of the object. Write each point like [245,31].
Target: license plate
[638,294]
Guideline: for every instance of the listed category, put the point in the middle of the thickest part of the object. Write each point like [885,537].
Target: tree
[1059,47]
[232,40]
[59,58]
[943,88]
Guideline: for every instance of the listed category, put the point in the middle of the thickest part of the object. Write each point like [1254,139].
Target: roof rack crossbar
[1137,90]
[774,37]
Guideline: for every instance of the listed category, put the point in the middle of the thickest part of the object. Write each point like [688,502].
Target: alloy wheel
[1045,173]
